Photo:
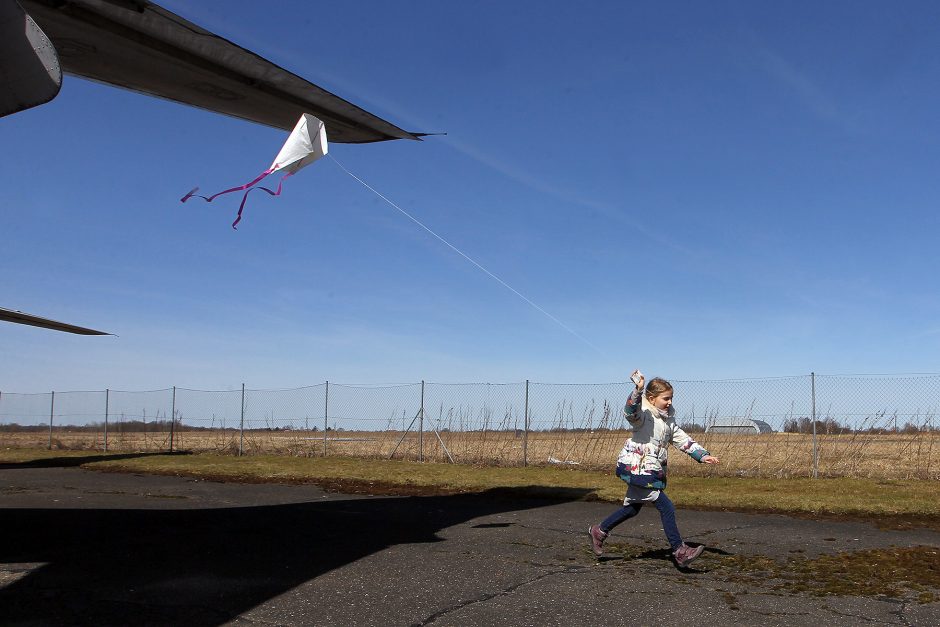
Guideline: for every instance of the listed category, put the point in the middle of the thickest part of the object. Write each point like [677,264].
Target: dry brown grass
[900,504]
[895,456]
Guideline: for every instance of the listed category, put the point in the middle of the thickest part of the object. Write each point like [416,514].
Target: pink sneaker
[685,554]
[597,539]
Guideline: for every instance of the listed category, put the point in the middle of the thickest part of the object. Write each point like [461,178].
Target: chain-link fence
[812,425]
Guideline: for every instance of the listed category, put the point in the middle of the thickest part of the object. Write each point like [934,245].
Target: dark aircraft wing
[29,67]
[141,46]
[24,318]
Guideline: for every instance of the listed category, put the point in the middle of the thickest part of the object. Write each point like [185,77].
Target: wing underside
[143,47]
[20,317]
[29,66]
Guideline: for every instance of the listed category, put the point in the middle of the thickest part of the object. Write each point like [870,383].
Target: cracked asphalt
[87,548]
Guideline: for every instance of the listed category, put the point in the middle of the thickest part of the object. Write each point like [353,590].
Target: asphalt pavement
[88,548]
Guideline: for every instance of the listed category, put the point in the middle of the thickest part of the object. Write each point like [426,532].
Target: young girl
[642,464]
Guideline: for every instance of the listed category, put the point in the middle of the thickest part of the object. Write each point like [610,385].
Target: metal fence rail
[865,426]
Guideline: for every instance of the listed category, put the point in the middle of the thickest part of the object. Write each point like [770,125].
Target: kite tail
[248,187]
[192,193]
[245,197]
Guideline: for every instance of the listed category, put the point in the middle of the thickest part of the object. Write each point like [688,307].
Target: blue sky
[704,191]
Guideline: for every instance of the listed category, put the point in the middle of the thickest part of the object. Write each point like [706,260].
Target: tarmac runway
[88,548]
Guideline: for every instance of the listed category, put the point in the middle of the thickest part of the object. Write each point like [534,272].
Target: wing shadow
[207,566]
[75,462]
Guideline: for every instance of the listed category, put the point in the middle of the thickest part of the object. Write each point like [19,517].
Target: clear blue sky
[702,190]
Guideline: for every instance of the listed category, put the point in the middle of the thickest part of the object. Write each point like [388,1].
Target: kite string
[468,258]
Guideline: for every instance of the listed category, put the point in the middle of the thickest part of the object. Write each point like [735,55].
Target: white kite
[306,144]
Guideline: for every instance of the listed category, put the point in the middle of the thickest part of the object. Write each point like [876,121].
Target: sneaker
[597,539]
[685,554]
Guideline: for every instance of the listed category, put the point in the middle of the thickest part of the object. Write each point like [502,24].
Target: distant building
[738,425]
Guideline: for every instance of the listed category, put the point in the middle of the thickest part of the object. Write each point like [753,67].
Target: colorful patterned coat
[642,461]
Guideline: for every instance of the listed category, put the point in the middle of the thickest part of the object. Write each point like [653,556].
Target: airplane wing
[29,66]
[19,317]
[138,45]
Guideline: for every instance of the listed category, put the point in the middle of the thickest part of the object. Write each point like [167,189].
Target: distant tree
[833,426]
[803,424]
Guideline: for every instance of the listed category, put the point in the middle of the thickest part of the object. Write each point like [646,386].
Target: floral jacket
[642,461]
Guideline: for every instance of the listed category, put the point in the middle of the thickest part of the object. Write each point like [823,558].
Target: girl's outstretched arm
[710,459]
[684,442]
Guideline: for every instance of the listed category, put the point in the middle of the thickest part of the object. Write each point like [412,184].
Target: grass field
[887,503]
[776,455]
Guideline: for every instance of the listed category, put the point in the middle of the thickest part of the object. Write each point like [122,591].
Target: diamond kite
[306,144]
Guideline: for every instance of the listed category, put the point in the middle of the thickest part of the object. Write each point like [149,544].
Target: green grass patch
[909,573]
[901,573]
[878,500]
[891,503]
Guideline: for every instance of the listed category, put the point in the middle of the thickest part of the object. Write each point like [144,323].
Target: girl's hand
[710,459]
[638,379]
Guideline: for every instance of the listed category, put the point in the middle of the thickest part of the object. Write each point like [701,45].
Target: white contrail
[468,258]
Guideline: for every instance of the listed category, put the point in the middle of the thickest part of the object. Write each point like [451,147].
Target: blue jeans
[667,513]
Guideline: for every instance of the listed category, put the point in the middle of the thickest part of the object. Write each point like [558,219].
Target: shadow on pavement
[74,462]
[205,567]
[666,555]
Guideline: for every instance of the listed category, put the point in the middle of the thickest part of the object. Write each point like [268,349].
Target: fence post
[51,413]
[812,377]
[421,426]
[525,428]
[172,418]
[241,439]
[326,415]
[107,399]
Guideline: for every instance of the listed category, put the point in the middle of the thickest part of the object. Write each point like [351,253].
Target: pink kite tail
[245,197]
[193,191]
